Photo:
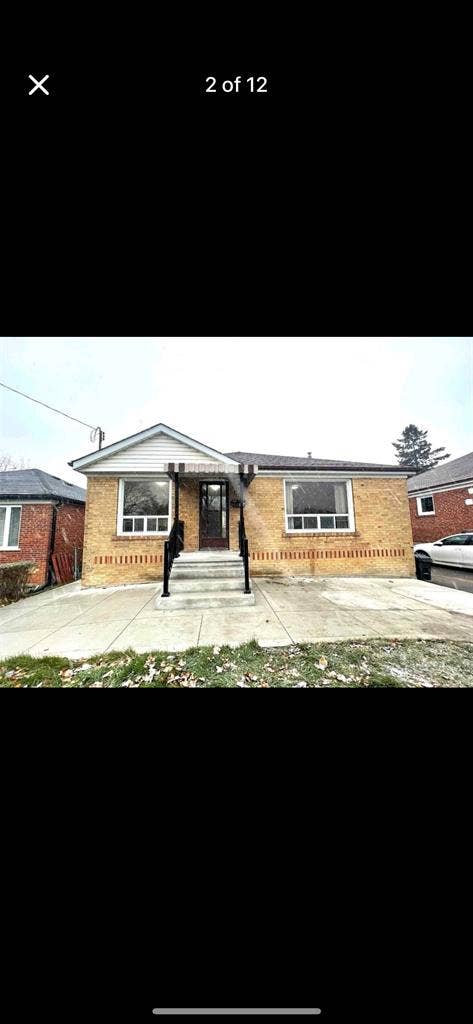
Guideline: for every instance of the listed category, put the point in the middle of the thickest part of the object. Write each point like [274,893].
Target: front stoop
[206,579]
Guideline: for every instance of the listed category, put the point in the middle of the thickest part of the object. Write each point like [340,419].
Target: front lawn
[374,663]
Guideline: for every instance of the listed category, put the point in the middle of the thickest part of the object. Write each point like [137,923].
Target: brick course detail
[380,546]
[451,516]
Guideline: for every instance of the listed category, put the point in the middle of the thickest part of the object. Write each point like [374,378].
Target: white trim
[440,487]
[121,516]
[351,528]
[420,511]
[143,435]
[6,528]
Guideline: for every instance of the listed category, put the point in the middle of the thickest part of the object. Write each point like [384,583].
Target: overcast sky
[338,398]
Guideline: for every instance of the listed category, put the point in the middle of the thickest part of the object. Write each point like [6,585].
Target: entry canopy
[215,468]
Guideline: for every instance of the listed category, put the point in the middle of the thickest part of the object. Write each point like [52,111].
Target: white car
[456,551]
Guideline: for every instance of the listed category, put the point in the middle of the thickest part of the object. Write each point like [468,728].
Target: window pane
[427,504]
[313,497]
[138,525]
[163,524]
[459,538]
[327,522]
[128,526]
[14,532]
[146,497]
[341,522]
[311,523]
[151,525]
[3,513]
[295,522]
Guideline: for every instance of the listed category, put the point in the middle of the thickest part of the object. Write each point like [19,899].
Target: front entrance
[213,504]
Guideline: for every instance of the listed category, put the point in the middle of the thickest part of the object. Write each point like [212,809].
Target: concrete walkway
[77,623]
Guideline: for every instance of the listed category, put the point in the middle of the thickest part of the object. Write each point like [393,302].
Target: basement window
[144,507]
[10,517]
[426,506]
[319,505]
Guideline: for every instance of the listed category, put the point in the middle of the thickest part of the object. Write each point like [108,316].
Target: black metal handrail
[172,547]
[243,542]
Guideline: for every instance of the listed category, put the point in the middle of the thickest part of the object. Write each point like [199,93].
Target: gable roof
[35,483]
[453,472]
[294,462]
[143,435]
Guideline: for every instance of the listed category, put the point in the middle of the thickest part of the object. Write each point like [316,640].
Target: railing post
[176,516]
[247,567]
[165,592]
[241,523]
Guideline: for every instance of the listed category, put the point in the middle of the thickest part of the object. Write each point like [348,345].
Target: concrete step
[206,558]
[211,599]
[206,572]
[180,586]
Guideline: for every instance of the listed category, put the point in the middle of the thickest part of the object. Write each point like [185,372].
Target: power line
[52,409]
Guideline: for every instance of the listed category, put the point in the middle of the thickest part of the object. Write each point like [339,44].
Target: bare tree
[7,462]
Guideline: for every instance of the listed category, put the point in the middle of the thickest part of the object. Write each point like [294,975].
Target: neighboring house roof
[454,472]
[35,483]
[294,462]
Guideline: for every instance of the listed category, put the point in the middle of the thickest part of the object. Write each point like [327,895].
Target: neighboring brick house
[40,516]
[301,515]
[441,500]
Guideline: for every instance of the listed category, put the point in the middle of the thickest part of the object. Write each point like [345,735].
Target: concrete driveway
[76,623]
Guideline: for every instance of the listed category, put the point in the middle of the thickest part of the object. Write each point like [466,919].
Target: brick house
[441,500]
[299,515]
[40,516]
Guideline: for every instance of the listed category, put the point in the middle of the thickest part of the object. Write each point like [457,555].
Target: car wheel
[423,554]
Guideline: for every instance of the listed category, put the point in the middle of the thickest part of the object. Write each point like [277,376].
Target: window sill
[422,515]
[10,549]
[140,536]
[320,533]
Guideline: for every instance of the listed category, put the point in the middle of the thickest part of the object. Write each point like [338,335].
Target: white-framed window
[10,519]
[319,505]
[426,506]
[144,506]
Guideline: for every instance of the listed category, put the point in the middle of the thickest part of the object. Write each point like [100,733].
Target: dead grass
[366,665]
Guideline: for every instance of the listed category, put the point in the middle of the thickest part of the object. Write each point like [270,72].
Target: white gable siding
[150,456]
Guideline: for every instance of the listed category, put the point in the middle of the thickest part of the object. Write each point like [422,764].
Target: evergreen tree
[413,449]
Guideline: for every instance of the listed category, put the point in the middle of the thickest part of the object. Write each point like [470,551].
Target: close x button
[36,84]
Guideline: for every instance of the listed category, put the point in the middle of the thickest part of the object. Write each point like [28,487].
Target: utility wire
[51,407]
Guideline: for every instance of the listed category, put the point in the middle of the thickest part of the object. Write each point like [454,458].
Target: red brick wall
[35,535]
[69,529]
[451,516]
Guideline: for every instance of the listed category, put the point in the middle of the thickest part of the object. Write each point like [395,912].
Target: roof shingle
[294,462]
[453,472]
[35,483]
